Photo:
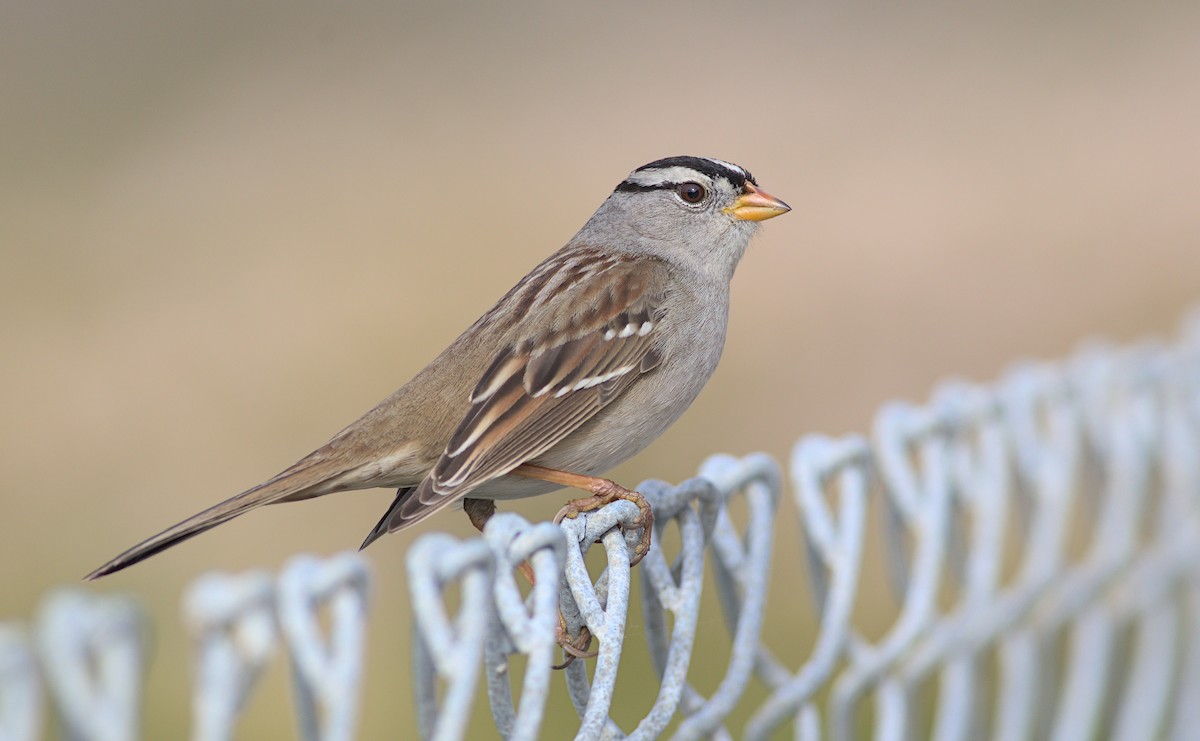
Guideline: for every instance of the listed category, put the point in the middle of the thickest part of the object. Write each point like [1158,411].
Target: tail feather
[411,505]
[381,527]
[305,479]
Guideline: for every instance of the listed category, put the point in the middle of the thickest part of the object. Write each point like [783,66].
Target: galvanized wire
[237,622]
[93,655]
[1042,535]
[20,693]
[1100,454]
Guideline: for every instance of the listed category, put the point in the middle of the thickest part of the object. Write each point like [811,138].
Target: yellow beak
[757,205]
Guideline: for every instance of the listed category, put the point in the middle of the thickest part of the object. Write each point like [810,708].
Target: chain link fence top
[1092,467]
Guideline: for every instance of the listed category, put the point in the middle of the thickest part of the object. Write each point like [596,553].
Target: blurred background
[227,229]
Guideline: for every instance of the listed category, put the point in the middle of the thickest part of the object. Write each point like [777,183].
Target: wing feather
[537,392]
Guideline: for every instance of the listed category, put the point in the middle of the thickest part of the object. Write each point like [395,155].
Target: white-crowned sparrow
[583,363]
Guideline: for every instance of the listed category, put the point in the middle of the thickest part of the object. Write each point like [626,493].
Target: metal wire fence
[1085,473]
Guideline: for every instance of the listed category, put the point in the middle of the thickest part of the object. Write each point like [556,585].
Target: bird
[583,363]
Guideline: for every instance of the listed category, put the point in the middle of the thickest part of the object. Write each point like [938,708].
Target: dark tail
[381,527]
[305,479]
[411,505]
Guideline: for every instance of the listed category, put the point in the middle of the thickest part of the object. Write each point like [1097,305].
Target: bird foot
[574,647]
[607,492]
[603,492]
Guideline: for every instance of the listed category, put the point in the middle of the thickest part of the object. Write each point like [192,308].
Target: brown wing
[539,391]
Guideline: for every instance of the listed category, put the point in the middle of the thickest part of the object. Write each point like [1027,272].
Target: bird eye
[691,192]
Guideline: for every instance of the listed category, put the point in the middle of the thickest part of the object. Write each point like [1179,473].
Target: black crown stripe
[707,167]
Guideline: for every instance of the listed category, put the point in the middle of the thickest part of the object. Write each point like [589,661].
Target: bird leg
[603,492]
[479,511]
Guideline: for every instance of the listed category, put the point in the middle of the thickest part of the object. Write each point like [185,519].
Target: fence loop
[20,693]
[231,618]
[445,649]
[674,588]
[818,465]
[601,606]
[978,458]
[741,565]
[93,653]
[526,626]
[325,672]
[911,449]
[1118,417]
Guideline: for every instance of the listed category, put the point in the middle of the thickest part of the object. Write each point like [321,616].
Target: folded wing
[540,390]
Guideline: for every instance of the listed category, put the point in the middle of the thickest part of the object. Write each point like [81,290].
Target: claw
[611,493]
[574,648]
[605,492]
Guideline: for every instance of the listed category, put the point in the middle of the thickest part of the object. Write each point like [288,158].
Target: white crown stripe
[659,175]
[678,174]
[728,166]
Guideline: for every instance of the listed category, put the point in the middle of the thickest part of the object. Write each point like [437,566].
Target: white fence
[1104,447]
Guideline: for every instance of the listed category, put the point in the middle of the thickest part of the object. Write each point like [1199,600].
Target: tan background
[227,230]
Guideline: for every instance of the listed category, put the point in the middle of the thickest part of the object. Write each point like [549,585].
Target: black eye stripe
[628,187]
